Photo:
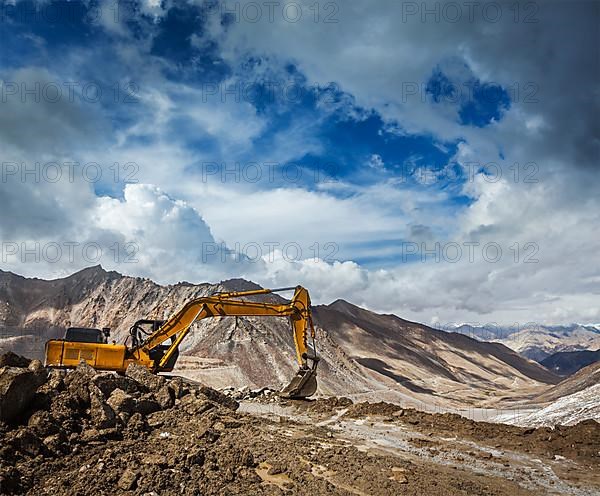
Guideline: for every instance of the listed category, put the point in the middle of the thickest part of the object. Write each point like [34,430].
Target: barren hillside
[566,363]
[364,354]
[574,400]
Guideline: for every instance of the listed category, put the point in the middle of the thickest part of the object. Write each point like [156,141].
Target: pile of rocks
[47,413]
[262,395]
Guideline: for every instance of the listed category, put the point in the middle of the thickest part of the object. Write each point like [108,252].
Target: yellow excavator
[155,343]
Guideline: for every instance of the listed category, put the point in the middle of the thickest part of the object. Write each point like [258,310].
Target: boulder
[56,443]
[11,359]
[107,382]
[65,406]
[121,402]
[28,443]
[90,434]
[147,404]
[165,397]
[17,390]
[56,380]
[143,375]
[220,398]
[78,381]
[103,416]
[196,406]
[35,365]
[178,387]
[137,424]
[43,424]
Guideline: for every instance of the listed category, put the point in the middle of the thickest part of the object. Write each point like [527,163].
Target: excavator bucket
[303,384]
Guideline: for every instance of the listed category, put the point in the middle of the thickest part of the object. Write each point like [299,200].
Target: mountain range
[536,341]
[363,354]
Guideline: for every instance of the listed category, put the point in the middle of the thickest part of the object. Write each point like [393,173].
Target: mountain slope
[566,363]
[33,310]
[573,400]
[427,361]
[363,354]
[566,410]
[581,380]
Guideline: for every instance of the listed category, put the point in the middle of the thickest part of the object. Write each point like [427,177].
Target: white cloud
[377,59]
[376,162]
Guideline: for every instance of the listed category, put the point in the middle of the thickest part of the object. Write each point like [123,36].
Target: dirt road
[488,458]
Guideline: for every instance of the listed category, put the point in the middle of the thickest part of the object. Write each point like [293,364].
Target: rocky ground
[84,432]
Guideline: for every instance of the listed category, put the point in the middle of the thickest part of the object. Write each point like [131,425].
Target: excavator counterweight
[149,338]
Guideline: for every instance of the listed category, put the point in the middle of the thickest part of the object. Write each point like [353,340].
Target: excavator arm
[229,304]
[154,354]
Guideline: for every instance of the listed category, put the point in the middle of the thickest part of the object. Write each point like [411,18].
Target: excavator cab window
[142,329]
[146,327]
[84,335]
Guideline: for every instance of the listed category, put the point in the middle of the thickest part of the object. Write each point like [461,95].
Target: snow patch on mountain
[568,410]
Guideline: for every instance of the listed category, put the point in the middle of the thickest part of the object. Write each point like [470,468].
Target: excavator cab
[85,344]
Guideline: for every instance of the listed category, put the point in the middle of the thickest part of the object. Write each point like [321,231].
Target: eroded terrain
[85,432]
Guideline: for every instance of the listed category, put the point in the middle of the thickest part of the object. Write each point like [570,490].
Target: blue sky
[350,134]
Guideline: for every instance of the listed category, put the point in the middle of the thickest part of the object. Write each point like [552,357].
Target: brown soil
[78,442]
[580,443]
[223,453]
[103,434]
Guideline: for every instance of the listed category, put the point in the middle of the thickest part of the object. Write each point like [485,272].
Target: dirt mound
[11,359]
[381,408]
[53,414]
[86,432]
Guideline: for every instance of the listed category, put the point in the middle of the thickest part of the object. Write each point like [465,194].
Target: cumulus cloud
[538,202]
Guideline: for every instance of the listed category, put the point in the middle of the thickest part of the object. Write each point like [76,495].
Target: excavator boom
[154,354]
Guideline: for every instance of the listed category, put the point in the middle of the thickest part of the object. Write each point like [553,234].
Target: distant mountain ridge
[536,341]
[566,363]
[362,353]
